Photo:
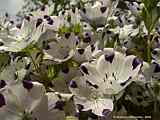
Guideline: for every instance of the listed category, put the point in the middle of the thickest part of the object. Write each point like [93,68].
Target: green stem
[34,64]
[149,48]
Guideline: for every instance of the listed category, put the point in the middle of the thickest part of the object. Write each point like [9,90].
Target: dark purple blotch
[80,107]
[73,84]
[2,84]
[39,21]
[157,68]
[84,10]
[136,62]
[110,57]
[27,84]
[92,85]
[92,48]
[154,52]
[27,18]
[50,22]
[59,105]
[106,112]
[67,35]
[84,69]
[103,9]
[80,51]
[2,100]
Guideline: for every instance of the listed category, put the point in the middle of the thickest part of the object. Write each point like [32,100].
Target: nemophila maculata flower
[86,54]
[63,78]
[96,14]
[107,76]
[63,48]
[156,55]
[16,69]
[5,23]
[20,38]
[18,100]
[71,15]
[126,32]
[28,100]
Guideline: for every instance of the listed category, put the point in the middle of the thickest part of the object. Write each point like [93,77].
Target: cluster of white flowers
[82,64]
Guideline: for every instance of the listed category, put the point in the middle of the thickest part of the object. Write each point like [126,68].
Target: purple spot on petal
[91,84]
[106,112]
[92,48]
[2,100]
[73,10]
[84,69]
[157,68]
[103,9]
[59,105]
[80,51]
[154,52]
[73,84]
[109,58]
[84,10]
[27,84]
[39,21]
[45,16]
[67,35]
[80,107]
[19,26]
[27,18]
[2,84]
[87,39]
[109,32]
[43,8]
[136,62]
[50,22]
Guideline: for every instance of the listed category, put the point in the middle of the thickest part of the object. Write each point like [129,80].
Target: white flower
[63,48]
[97,14]
[4,22]
[156,55]
[86,54]
[108,76]
[18,100]
[88,98]
[126,32]
[152,73]
[133,6]
[54,23]
[72,14]
[19,39]
[16,70]
[51,26]
[64,76]
[44,10]
[29,101]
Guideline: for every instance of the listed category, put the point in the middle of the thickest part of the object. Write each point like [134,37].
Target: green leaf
[53,71]
[64,29]
[71,118]
[150,13]
[77,29]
